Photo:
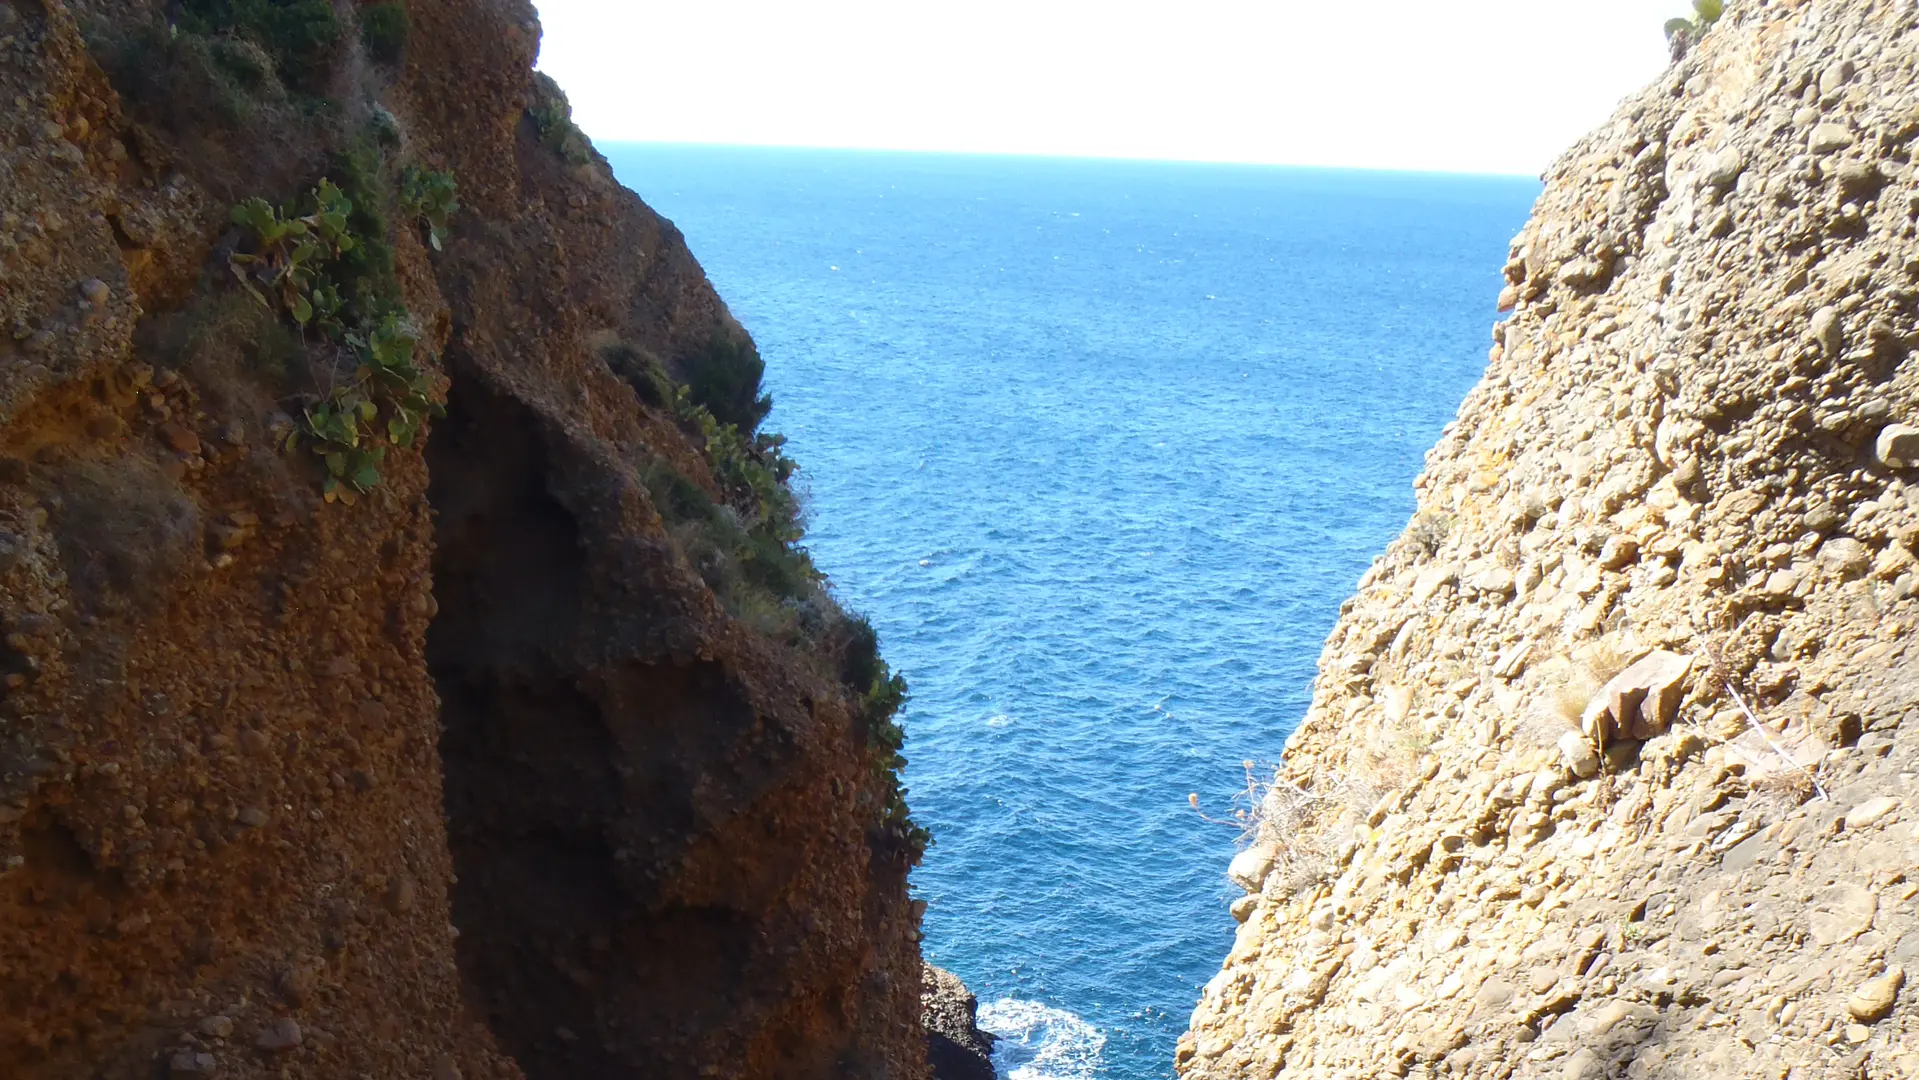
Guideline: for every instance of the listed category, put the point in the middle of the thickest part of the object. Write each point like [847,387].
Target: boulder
[956,1048]
[1639,702]
[1250,867]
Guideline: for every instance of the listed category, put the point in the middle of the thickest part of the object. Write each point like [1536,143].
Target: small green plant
[326,264]
[430,198]
[385,402]
[642,371]
[1705,13]
[290,252]
[383,30]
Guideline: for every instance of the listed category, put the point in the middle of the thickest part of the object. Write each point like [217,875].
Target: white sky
[1451,85]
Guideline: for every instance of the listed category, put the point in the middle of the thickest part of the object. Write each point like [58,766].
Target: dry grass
[237,353]
[127,531]
[1300,825]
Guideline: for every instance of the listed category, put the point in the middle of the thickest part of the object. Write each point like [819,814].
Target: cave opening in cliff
[556,771]
[527,769]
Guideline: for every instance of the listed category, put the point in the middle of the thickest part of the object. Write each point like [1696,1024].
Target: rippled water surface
[1101,447]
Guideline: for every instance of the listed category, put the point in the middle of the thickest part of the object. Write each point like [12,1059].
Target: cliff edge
[1609,768]
[409,667]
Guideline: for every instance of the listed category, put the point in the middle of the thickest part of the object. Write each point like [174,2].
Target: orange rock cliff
[409,667]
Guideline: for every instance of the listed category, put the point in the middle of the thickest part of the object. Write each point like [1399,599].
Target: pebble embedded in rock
[216,1026]
[401,897]
[282,1036]
[1874,999]
[1898,446]
[1857,176]
[1243,908]
[1723,169]
[1835,76]
[96,293]
[1640,701]
[1583,1065]
[1827,329]
[1870,812]
[179,438]
[1576,753]
[252,817]
[445,1068]
[1829,138]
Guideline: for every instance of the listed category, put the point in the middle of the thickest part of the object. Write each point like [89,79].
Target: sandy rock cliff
[1610,765]
[403,676]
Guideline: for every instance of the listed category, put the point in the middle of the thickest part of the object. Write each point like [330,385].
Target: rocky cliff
[409,667]
[1609,768]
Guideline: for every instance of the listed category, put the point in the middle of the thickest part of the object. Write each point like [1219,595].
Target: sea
[1100,447]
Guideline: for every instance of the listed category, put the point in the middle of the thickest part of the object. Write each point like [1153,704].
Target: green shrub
[368,272]
[552,117]
[189,80]
[643,372]
[879,694]
[746,548]
[724,377]
[299,35]
[383,30]
[384,402]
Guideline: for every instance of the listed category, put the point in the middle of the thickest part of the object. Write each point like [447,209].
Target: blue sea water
[1101,447]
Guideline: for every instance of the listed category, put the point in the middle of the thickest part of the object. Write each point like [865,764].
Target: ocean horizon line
[998,155]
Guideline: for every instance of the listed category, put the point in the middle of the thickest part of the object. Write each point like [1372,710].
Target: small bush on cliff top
[383,29]
[552,117]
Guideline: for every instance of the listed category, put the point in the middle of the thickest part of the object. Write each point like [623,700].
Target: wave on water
[1039,1042]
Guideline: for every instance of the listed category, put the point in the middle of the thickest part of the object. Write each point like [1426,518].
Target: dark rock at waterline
[955,1046]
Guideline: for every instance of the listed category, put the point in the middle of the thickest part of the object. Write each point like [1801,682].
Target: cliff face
[403,674]
[1608,770]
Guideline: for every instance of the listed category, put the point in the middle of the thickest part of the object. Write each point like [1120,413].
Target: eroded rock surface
[1689,460]
[956,1047]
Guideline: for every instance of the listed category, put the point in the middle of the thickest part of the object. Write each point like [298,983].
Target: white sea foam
[1039,1042]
